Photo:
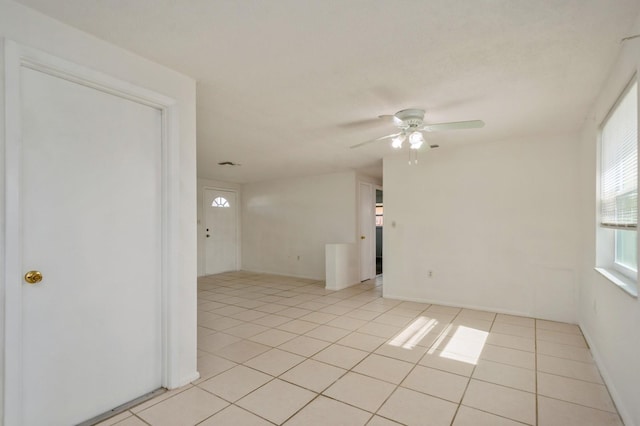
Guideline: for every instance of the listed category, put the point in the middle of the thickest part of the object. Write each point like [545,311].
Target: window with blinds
[619,167]
[619,182]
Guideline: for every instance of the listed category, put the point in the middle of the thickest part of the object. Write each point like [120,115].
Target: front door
[221,209]
[90,224]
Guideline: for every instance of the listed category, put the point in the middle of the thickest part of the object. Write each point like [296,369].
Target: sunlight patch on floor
[465,345]
[414,333]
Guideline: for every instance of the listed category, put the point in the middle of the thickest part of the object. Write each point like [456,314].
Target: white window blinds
[619,156]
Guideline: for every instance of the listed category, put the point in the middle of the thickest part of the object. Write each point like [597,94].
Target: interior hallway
[279,350]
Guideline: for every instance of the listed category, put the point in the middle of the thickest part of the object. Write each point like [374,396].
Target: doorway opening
[379,225]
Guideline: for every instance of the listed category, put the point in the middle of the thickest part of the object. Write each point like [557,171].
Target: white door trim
[17,56]
[204,217]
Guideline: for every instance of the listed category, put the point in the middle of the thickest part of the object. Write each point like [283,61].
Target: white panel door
[366,210]
[91,224]
[221,231]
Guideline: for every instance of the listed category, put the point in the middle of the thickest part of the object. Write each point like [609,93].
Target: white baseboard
[457,305]
[606,376]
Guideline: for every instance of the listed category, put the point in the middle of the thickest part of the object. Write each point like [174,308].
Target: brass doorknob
[362,237]
[33,277]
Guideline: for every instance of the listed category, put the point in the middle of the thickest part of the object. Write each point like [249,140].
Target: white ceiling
[286,86]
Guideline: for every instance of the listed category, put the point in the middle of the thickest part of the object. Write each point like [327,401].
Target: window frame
[606,237]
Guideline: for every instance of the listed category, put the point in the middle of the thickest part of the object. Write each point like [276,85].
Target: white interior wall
[493,221]
[35,30]
[609,317]
[287,223]
[208,183]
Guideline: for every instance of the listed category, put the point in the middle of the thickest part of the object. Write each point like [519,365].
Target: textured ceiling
[285,87]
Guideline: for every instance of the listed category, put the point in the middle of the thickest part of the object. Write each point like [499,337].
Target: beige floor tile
[553,412]
[381,421]
[380,330]
[313,375]
[272,320]
[328,333]
[221,324]
[362,314]
[470,322]
[568,368]
[467,416]
[186,408]
[365,342]
[242,351]
[272,308]
[115,419]
[319,317]
[473,313]
[514,357]
[560,337]
[361,391]
[440,361]
[441,309]
[513,330]
[336,310]
[577,391]
[414,408]
[298,326]
[275,361]
[210,365]
[430,349]
[235,416]
[294,312]
[276,401]
[558,326]
[466,345]
[325,411]
[216,341]
[564,351]
[131,421]
[383,368]
[246,330]
[408,354]
[347,323]
[229,310]
[513,342]
[515,320]
[502,401]
[235,383]
[340,356]
[506,375]
[312,306]
[273,337]
[249,315]
[438,383]
[391,319]
[304,346]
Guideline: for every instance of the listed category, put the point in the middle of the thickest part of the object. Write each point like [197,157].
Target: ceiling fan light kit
[411,124]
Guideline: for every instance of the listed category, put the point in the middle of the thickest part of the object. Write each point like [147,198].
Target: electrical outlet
[430,274]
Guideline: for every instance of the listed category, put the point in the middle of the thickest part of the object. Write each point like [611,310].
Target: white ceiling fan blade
[375,140]
[455,125]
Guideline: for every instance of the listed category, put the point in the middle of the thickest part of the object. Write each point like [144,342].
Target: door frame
[204,217]
[17,56]
[371,231]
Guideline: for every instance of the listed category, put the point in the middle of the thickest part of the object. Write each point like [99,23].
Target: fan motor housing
[412,117]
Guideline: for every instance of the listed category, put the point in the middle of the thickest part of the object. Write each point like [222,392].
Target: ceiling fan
[411,124]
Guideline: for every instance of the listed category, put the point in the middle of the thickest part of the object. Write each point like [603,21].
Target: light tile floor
[279,350]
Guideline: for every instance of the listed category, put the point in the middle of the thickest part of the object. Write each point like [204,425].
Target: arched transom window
[220,202]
